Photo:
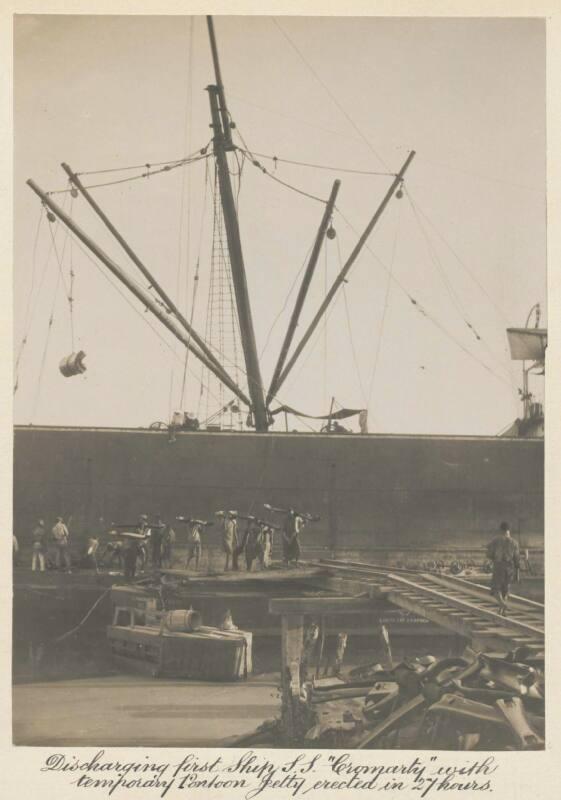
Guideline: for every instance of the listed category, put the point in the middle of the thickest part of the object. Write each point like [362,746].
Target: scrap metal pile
[479,702]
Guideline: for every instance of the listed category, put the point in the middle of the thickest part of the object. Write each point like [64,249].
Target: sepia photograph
[280,330]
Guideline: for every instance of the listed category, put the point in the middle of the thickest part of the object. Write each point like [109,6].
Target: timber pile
[483,701]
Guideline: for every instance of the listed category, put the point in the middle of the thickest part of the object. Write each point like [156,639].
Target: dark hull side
[374,493]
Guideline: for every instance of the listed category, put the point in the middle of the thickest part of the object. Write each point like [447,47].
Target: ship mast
[222,143]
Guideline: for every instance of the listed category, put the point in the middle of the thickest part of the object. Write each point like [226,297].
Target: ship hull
[422,495]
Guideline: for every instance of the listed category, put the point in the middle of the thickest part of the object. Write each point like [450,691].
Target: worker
[142,549]
[230,539]
[90,558]
[194,544]
[168,542]
[39,546]
[61,538]
[266,551]
[156,537]
[504,555]
[114,551]
[293,526]
[131,553]
[253,542]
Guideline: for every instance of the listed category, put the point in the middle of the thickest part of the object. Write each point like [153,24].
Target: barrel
[182,621]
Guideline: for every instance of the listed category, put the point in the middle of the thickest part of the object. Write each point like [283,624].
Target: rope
[71,288]
[440,270]
[423,311]
[437,263]
[329,92]
[125,297]
[276,159]
[385,309]
[187,142]
[28,305]
[355,359]
[287,298]
[292,118]
[79,625]
[140,166]
[45,349]
[32,306]
[459,260]
[147,174]
[195,285]
[263,169]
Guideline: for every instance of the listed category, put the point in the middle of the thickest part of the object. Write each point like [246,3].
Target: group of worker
[59,537]
[255,543]
[138,543]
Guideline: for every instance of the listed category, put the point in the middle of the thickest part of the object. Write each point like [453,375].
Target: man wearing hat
[504,554]
[61,538]
[156,537]
[292,528]
[230,539]
[141,548]
[39,546]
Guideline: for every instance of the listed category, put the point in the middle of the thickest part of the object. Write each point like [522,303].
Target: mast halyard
[222,142]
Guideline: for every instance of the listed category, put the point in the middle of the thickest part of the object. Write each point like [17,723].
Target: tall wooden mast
[222,142]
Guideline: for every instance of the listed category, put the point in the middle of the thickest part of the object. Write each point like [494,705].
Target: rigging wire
[266,172]
[385,308]
[287,298]
[195,283]
[34,265]
[440,269]
[140,166]
[33,302]
[423,311]
[71,286]
[485,176]
[459,260]
[329,92]
[292,118]
[348,316]
[187,143]
[276,159]
[60,277]
[125,297]
[23,342]
[148,174]
[438,264]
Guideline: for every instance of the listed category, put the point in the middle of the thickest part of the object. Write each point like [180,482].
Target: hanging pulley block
[331,232]
[73,364]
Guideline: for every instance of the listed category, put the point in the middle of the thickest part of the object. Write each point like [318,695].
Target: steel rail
[466,609]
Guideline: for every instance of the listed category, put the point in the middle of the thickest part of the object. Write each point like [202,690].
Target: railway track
[454,603]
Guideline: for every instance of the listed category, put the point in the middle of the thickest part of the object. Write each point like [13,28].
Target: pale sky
[467,95]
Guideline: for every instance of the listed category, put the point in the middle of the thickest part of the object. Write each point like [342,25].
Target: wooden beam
[322,605]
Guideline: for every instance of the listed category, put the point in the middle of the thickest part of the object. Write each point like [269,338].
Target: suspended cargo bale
[73,364]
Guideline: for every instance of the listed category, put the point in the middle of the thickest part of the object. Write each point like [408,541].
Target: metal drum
[182,621]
